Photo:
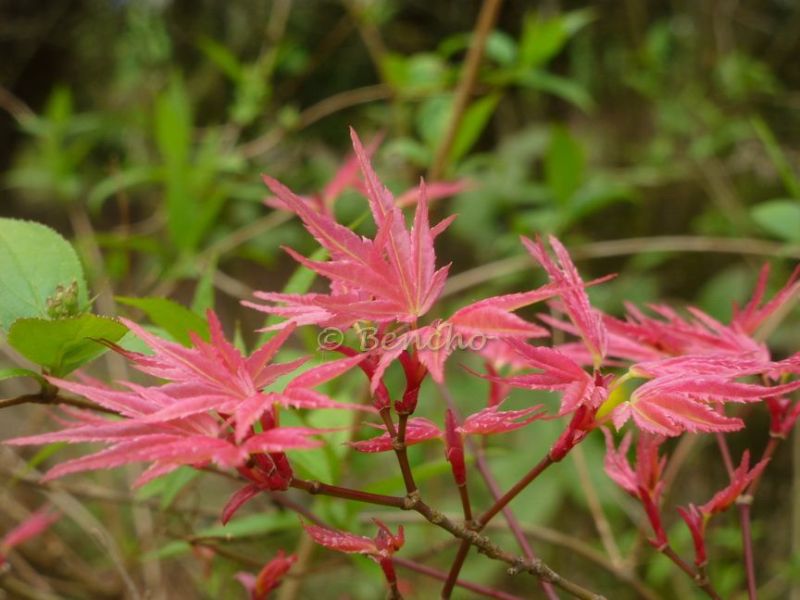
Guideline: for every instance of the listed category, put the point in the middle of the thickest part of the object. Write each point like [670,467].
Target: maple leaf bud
[454,448]
[582,423]
[415,373]
[269,578]
[696,522]
[740,479]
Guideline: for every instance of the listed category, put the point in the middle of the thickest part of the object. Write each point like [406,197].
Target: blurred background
[659,140]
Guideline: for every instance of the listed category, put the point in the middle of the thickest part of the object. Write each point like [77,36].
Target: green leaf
[203,298]
[222,57]
[564,164]
[542,38]
[119,182]
[565,89]
[63,345]
[169,485]
[781,218]
[13,372]
[170,550]
[177,320]
[432,118]
[173,123]
[251,526]
[415,75]
[36,265]
[787,173]
[472,125]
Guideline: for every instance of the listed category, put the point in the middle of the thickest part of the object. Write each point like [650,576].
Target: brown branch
[625,247]
[486,20]
[517,564]
[442,576]
[57,399]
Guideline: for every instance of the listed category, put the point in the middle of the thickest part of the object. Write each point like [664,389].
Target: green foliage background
[658,139]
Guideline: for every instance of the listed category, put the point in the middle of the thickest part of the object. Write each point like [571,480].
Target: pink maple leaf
[492,420]
[384,544]
[696,523]
[674,403]
[268,578]
[642,337]
[203,413]
[32,527]
[697,518]
[572,290]
[347,177]
[642,482]
[559,373]
[741,477]
[755,314]
[418,430]
[380,548]
[390,278]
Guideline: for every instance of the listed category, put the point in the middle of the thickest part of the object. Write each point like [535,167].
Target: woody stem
[512,493]
[402,455]
[487,516]
[517,564]
[317,487]
[697,575]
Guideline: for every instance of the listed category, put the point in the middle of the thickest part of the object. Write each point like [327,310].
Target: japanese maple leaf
[559,373]
[756,313]
[384,544]
[216,376]
[418,430]
[697,518]
[649,466]
[202,414]
[741,477]
[643,482]
[674,403]
[391,278]
[491,420]
[347,177]
[32,527]
[380,548]
[670,334]
[268,578]
[572,291]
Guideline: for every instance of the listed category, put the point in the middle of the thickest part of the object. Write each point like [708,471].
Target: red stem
[747,543]
[494,489]
[402,455]
[526,480]
[698,576]
[316,487]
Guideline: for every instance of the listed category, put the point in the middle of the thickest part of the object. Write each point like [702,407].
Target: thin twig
[57,399]
[703,583]
[495,491]
[442,576]
[625,247]
[572,544]
[490,9]
[414,502]
[596,508]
